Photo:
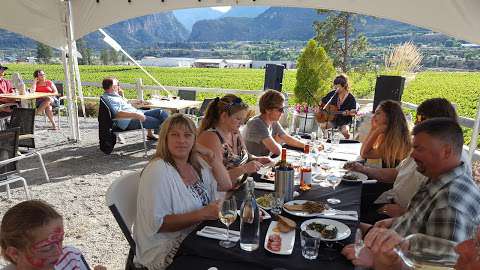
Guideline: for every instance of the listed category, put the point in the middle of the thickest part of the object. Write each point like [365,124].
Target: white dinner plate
[263,207]
[361,177]
[343,231]
[299,213]
[288,240]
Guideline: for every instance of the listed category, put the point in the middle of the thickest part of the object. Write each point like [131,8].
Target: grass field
[462,88]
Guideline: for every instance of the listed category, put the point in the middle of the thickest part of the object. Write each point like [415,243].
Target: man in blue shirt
[127,116]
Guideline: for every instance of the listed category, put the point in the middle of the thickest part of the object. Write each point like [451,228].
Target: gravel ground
[80,175]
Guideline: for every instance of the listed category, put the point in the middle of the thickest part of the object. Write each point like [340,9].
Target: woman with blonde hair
[177,190]
[389,138]
[220,132]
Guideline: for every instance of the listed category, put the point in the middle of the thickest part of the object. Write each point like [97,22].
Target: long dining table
[197,252]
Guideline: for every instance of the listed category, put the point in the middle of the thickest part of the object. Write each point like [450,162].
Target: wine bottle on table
[306,170]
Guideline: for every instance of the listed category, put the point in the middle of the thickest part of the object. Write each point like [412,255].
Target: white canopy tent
[59,23]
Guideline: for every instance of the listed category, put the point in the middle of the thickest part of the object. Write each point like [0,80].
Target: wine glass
[359,244]
[333,181]
[421,251]
[227,215]
[335,138]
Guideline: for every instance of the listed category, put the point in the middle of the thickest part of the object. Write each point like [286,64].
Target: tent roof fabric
[45,20]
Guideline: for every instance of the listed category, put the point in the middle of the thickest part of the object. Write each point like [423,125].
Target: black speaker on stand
[388,87]
[273,77]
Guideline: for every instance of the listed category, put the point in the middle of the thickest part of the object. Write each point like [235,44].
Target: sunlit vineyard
[462,88]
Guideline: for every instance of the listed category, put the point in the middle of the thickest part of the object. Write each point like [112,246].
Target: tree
[113,56]
[314,73]
[336,35]
[44,53]
[105,57]
[85,52]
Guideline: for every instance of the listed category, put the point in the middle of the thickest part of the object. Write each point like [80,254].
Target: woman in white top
[177,191]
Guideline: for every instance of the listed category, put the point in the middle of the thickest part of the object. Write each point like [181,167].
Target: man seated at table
[6,87]
[124,112]
[446,206]
[405,176]
[263,134]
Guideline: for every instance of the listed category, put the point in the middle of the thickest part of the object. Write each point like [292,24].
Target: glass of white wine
[227,215]
[420,251]
[333,181]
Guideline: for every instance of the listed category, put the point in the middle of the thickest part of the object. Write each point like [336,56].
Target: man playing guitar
[338,107]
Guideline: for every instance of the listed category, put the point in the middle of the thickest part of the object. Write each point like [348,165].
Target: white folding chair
[121,199]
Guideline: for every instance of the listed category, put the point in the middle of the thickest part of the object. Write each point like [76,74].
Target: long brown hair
[19,222]
[164,153]
[229,103]
[396,144]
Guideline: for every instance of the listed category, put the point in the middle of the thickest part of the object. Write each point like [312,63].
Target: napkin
[219,233]
[265,186]
[341,215]
[370,181]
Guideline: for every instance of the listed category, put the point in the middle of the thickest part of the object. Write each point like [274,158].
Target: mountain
[137,33]
[190,16]
[279,23]
[248,12]
[275,23]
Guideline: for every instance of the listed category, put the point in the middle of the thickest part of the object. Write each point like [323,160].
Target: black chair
[61,107]
[188,95]
[204,106]
[107,133]
[9,159]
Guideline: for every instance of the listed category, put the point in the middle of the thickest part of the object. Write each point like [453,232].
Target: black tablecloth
[201,253]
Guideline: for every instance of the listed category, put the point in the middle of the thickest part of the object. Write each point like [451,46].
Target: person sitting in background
[389,138]
[45,105]
[6,87]
[264,136]
[446,206]
[345,103]
[405,177]
[177,190]
[219,131]
[31,237]
[124,112]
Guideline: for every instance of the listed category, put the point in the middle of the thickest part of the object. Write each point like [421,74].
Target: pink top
[6,86]
[47,88]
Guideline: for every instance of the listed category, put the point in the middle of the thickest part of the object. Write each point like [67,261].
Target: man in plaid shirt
[446,206]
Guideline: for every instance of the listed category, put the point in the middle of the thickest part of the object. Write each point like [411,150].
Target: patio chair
[61,107]
[8,161]
[188,95]
[107,133]
[121,199]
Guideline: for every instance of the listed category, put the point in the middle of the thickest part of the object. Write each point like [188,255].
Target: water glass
[335,137]
[309,245]
[276,204]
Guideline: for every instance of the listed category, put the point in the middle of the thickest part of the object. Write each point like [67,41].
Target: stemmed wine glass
[359,244]
[333,181]
[424,251]
[227,215]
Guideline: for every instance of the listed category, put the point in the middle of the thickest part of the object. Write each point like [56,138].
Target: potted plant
[314,78]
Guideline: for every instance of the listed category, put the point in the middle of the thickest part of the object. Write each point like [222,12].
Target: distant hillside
[190,16]
[134,33]
[286,24]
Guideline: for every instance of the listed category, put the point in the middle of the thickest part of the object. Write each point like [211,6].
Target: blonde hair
[164,153]
[396,143]
[271,99]
[229,103]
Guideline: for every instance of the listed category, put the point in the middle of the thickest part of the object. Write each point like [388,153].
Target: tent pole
[73,104]
[67,88]
[79,81]
[473,142]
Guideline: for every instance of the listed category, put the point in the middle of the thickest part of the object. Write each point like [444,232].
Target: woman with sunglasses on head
[220,132]
[31,238]
[45,105]
[263,134]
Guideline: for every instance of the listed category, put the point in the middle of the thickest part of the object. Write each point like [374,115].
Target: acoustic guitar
[330,112]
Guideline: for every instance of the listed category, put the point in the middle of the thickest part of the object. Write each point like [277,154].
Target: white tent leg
[71,43]
[68,92]
[473,142]
[79,81]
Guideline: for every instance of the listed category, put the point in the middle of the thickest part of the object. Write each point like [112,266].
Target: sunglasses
[420,118]
[236,102]
[281,109]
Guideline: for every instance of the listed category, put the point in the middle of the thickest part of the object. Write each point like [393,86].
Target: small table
[28,96]
[173,105]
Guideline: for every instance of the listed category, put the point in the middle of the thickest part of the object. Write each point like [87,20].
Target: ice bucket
[284,183]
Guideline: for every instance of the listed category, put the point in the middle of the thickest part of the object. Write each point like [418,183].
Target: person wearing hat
[6,87]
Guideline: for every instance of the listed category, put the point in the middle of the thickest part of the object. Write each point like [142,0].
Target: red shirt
[6,86]
[47,88]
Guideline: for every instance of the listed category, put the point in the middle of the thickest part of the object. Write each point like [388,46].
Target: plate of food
[326,229]
[265,201]
[352,176]
[280,237]
[303,208]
